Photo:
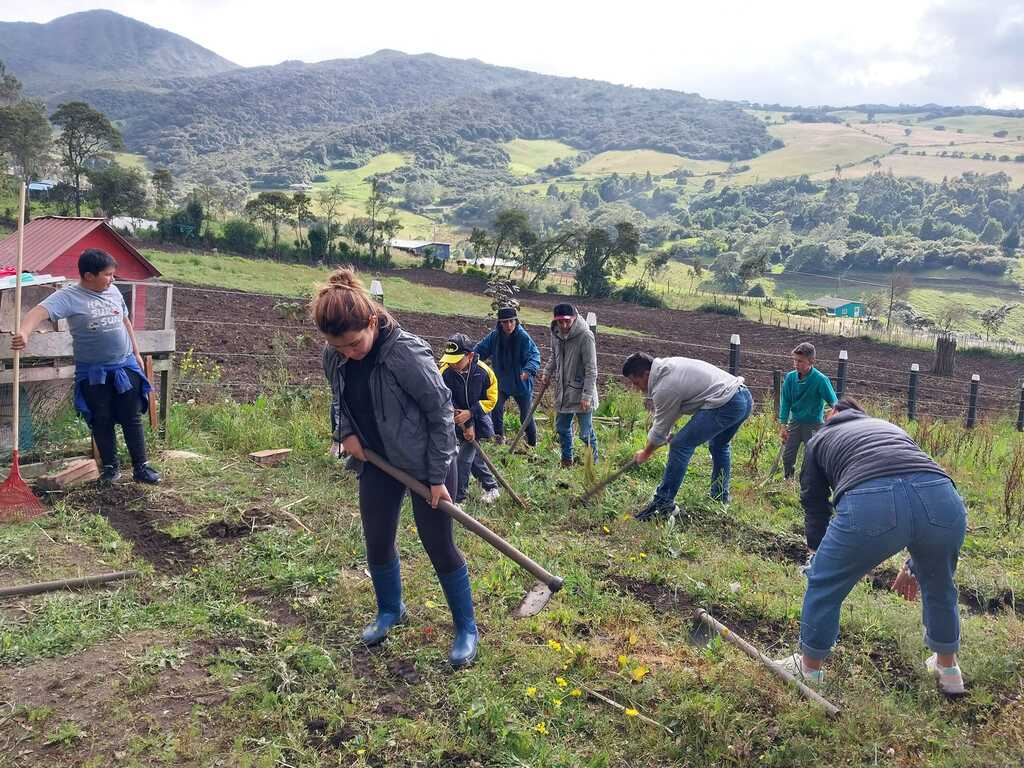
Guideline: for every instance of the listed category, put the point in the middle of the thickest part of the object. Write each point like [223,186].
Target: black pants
[498,416]
[380,502]
[109,408]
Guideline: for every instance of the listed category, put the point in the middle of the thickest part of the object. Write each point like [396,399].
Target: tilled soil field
[250,339]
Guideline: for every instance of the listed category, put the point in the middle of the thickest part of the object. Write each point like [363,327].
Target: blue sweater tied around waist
[99,373]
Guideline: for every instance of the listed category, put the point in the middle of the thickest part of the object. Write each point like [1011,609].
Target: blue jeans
[470,463]
[498,416]
[922,512]
[563,425]
[716,427]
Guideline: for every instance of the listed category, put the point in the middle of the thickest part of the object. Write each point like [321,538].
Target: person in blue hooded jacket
[516,360]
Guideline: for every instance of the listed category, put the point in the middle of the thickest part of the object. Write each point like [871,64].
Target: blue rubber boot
[460,599]
[387,584]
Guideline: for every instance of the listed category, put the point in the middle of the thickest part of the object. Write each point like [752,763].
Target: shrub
[551,288]
[637,294]
[719,309]
[757,291]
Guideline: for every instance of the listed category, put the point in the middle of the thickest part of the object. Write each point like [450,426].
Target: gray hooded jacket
[412,405]
[573,366]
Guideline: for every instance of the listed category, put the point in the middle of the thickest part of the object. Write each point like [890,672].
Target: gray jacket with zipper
[411,403]
[573,366]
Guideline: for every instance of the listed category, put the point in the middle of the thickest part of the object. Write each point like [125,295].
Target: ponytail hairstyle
[343,305]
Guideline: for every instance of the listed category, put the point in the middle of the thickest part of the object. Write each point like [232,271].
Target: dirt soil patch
[248,337]
[108,695]
[130,512]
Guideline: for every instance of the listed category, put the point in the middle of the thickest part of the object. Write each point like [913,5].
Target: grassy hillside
[527,155]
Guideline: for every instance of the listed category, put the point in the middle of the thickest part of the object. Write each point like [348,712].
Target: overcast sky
[788,51]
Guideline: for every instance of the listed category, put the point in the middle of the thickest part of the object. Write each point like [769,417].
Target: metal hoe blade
[534,601]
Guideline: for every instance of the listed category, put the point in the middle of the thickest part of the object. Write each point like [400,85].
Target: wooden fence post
[912,392]
[592,323]
[734,354]
[972,404]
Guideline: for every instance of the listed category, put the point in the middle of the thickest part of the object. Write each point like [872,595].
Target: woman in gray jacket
[389,397]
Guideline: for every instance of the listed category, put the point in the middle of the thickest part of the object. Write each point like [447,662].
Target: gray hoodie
[411,403]
[680,385]
[573,366]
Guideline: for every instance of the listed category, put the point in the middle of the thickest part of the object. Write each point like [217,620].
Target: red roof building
[54,243]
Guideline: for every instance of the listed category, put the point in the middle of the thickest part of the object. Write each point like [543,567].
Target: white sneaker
[490,496]
[794,664]
[951,679]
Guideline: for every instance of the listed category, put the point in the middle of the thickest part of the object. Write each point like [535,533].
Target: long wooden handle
[529,414]
[498,476]
[554,582]
[53,586]
[729,636]
[16,392]
[611,478]
[152,393]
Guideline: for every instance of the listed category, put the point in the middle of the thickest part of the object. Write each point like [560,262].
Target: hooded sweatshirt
[680,385]
[850,449]
[573,366]
[511,356]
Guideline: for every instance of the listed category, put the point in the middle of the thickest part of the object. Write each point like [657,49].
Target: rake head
[17,502]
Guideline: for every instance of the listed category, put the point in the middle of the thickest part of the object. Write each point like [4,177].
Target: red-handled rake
[17,502]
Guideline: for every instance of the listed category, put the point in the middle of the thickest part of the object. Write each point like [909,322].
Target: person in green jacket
[805,393]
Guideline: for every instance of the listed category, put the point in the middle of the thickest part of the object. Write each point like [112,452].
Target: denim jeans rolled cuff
[938,647]
[813,653]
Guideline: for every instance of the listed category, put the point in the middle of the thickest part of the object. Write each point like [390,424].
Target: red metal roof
[48,237]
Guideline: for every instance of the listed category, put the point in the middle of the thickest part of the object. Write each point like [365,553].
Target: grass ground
[527,155]
[239,644]
[641,161]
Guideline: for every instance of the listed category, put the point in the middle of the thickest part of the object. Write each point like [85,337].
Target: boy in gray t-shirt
[110,387]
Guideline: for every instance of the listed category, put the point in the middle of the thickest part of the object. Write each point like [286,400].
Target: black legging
[109,408]
[380,502]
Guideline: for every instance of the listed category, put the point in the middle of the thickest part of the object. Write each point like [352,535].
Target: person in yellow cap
[474,392]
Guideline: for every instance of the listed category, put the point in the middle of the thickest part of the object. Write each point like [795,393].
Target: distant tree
[604,258]
[331,201]
[907,131]
[302,213]
[240,236]
[318,240]
[118,190]
[163,187]
[25,136]
[85,134]
[10,87]
[951,317]
[993,319]
[992,233]
[899,286]
[271,210]
[1012,240]
[589,198]
[382,222]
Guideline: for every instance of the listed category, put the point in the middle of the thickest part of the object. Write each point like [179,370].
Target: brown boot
[566,463]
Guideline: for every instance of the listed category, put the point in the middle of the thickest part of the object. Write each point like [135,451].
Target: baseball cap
[456,348]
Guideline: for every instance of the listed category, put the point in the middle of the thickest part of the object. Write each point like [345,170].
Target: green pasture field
[239,642]
[527,155]
[932,167]
[982,124]
[129,160]
[641,161]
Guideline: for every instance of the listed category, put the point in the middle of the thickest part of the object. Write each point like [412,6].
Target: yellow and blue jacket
[476,391]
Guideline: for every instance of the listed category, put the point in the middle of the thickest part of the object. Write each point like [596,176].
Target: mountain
[185,107]
[99,47]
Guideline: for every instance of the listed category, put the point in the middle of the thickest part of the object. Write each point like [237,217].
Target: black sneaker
[111,474]
[146,474]
[657,509]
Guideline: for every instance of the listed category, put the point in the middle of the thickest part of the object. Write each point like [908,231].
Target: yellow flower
[430,604]
[632,638]
[360,752]
[554,645]
[576,693]
[643,555]
[532,691]
[622,660]
[562,682]
[556,702]
[606,529]
[630,712]
[540,727]
[639,673]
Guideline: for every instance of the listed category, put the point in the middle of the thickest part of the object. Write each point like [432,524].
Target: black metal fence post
[1020,410]
[972,404]
[777,390]
[841,374]
[912,392]
[734,354]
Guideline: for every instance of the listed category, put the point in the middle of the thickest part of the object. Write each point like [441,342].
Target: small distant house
[835,307]
[54,243]
[423,248]
[41,188]
[132,224]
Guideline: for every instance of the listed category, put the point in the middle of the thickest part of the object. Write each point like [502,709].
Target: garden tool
[541,592]
[596,489]
[529,414]
[498,475]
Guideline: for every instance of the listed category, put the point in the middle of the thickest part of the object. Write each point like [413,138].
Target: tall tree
[331,201]
[25,137]
[10,87]
[119,190]
[163,186]
[302,213]
[604,258]
[382,222]
[271,209]
[85,134]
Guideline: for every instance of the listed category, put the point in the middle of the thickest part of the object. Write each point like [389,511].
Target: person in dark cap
[516,360]
[573,370]
[474,392]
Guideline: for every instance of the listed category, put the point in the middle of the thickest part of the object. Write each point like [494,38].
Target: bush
[720,309]
[240,236]
[551,288]
[757,291]
[476,272]
[636,294]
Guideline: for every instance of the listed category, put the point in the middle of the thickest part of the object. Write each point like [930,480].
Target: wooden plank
[168,317]
[58,344]
[152,393]
[77,472]
[271,457]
